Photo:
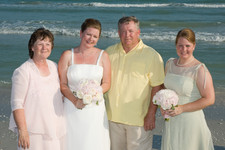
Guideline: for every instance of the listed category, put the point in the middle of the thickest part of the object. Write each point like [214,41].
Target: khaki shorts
[126,137]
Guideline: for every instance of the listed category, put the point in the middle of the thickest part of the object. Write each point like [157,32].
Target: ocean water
[160,20]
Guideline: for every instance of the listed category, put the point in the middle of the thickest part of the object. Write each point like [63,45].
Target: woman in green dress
[190,79]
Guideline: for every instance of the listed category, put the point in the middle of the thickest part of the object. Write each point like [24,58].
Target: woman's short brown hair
[41,34]
[90,22]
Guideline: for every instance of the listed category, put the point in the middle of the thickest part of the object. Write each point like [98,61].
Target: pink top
[41,99]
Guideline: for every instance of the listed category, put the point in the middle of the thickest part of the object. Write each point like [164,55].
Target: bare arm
[63,66]
[23,136]
[106,80]
[149,121]
[207,94]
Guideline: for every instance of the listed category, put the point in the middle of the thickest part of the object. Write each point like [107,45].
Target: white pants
[126,137]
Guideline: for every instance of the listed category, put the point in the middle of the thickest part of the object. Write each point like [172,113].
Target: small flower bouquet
[89,91]
[166,99]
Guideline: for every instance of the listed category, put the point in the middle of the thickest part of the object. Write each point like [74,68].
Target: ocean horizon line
[112,4]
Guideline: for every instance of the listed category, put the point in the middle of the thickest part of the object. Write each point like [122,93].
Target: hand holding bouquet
[89,91]
[166,99]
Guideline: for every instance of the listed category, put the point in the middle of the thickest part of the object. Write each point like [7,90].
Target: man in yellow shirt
[137,74]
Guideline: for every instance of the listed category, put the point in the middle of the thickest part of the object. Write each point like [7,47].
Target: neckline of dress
[85,65]
[187,63]
[175,64]
[36,68]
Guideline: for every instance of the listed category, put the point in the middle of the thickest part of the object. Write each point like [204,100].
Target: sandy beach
[215,116]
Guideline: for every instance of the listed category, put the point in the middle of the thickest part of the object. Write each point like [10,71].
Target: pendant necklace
[181,65]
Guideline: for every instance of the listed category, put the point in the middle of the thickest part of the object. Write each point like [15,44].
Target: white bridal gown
[87,129]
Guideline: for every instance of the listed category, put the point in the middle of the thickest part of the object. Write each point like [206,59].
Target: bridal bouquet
[89,91]
[166,99]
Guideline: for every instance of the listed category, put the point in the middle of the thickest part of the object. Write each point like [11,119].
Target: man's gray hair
[127,19]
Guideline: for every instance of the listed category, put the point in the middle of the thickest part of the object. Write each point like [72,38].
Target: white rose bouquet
[89,91]
[166,99]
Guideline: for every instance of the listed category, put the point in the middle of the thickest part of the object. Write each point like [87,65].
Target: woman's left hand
[174,112]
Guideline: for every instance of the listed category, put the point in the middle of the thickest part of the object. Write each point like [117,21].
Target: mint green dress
[189,130]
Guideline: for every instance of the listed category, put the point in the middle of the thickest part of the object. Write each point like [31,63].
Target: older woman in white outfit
[36,100]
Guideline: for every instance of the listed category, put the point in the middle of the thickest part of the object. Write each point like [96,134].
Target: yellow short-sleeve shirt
[132,77]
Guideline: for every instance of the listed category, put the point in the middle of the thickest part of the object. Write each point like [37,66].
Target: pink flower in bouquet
[89,91]
[166,99]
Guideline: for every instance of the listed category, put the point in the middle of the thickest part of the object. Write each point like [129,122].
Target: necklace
[184,63]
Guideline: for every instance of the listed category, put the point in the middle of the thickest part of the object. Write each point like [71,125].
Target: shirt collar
[136,48]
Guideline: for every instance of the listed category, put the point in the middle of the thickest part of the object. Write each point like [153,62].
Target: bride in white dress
[87,125]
